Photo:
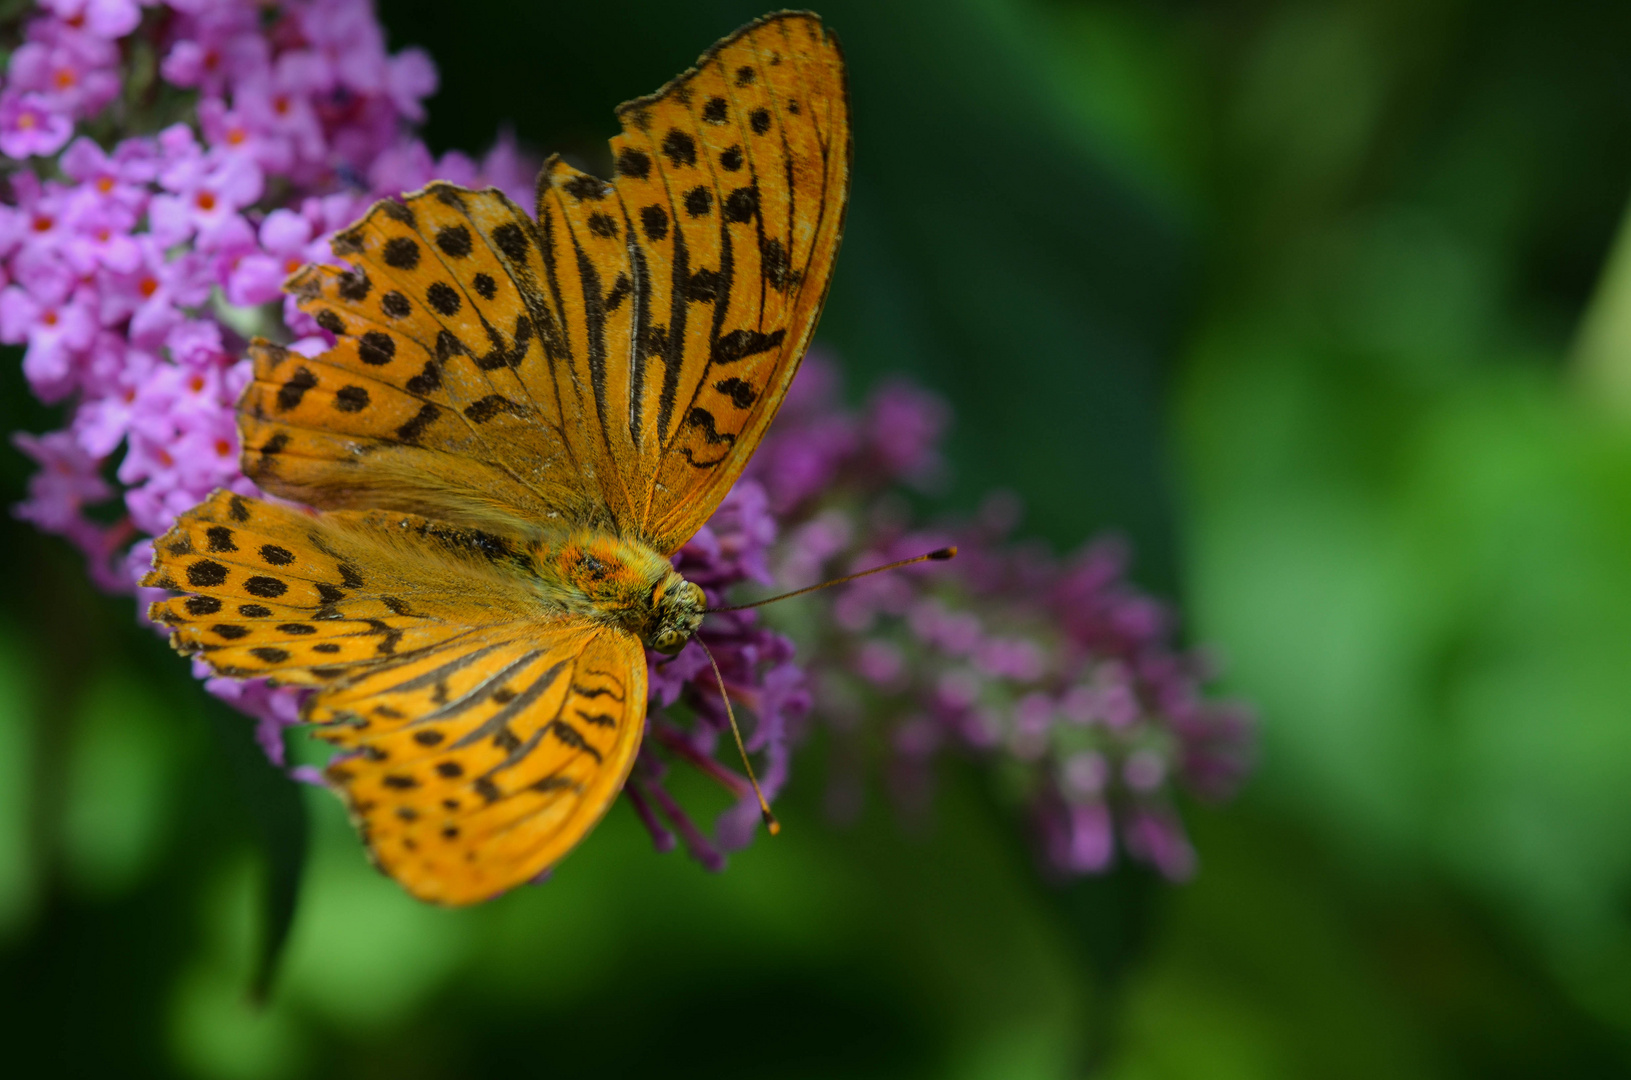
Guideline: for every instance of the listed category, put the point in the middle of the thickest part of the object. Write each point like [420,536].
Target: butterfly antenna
[939,555]
[764,807]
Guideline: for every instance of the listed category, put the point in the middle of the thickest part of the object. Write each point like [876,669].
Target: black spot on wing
[414,430]
[350,399]
[427,381]
[397,212]
[443,297]
[572,737]
[654,221]
[512,241]
[202,605]
[290,393]
[273,555]
[775,264]
[395,305]
[635,163]
[731,161]
[218,538]
[269,588]
[401,253]
[699,201]
[703,421]
[490,406]
[739,344]
[454,240]
[353,285]
[582,187]
[715,111]
[705,286]
[742,204]
[376,348]
[741,394]
[485,286]
[206,573]
[680,148]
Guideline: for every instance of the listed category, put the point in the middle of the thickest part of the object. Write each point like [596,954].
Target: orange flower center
[43,223]
[165,459]
[236,136]
[280,105]
[104,184]
[291,264]
[148,287]
[222,447]
[65,78]
[26,121]
[205,201]
[196,383]
[49,318]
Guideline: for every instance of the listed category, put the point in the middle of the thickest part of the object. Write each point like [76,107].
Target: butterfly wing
[487,735]
[689,288]
[445,393]
[613,364]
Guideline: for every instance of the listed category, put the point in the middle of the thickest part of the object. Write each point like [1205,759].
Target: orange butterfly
[520,421]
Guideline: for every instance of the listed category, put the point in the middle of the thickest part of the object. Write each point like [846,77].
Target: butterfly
[521,420]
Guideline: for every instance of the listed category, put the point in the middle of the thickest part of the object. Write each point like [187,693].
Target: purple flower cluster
[767,689]
[134,269]
[1058,671]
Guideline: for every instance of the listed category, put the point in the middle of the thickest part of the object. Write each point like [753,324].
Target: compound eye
[668,642]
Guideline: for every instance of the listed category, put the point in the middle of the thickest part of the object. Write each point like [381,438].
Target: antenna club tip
[773,825]
[944,553]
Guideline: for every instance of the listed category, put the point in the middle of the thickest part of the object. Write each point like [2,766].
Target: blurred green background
[1319,302]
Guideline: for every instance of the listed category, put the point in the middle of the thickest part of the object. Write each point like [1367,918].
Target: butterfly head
[677,606]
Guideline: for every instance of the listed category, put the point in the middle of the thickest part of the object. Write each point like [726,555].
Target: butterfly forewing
[439,395]
[735,177]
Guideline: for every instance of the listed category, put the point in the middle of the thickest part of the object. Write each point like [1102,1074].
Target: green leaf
[282,829]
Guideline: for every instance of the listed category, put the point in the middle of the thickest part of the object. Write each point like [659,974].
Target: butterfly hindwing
[477,769]
[485,732]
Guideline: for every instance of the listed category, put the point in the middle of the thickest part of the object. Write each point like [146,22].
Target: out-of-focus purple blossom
[1058,668]
[29,125]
